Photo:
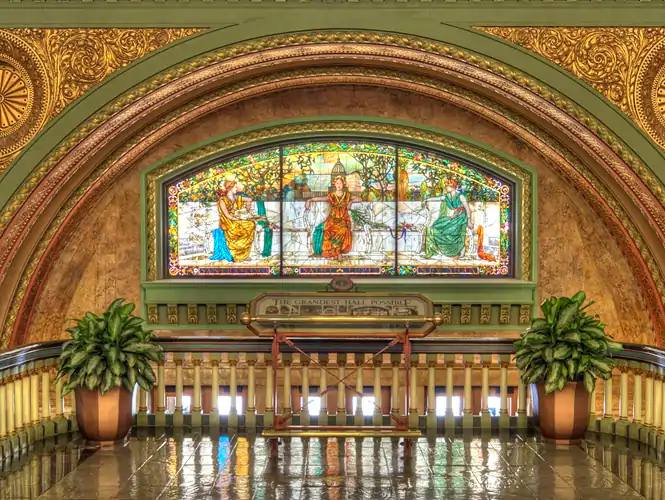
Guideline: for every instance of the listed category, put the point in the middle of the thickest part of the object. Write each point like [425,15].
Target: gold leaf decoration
[42,71]
[623,64]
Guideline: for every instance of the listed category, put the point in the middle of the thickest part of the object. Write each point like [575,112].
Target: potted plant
[104,360]
[562,354]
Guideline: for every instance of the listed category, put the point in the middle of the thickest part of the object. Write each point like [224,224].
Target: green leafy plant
[108,351]
[567,344]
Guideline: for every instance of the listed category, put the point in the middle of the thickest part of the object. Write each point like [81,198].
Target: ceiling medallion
[24,94]
[15,98]
[650,92]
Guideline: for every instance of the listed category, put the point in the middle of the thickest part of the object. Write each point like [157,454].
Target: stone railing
[235,384]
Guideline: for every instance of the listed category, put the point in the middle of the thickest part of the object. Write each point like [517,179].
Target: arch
[616,166]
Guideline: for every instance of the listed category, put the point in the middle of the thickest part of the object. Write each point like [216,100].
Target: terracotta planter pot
[562,415]
[105,417]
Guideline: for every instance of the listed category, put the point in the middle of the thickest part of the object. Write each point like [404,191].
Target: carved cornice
[626,65]
[47,69]
[584,132]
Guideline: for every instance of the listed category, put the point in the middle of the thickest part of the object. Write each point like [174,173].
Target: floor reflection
[192,466]
[32,473]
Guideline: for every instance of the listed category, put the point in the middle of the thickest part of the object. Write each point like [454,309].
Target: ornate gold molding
[626,65]
[44,70]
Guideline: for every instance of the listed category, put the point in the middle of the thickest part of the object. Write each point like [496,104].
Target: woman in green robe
[447,235]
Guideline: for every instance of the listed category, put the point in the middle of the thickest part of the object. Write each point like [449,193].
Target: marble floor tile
[195,466]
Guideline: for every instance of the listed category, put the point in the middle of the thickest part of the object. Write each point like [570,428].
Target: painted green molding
[242,291]
[213,13]
[485,45]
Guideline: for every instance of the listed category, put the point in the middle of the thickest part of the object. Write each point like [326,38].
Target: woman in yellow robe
[239,233]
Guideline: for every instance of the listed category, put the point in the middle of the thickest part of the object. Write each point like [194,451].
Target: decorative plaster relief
[44,70]
[626,65]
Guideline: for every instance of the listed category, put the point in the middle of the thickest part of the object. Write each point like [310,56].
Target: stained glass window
[363,208]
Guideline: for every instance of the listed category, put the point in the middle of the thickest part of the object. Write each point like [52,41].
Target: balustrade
[445,385]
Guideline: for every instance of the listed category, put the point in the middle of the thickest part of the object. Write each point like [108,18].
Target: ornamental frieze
[44,70]
[626,65]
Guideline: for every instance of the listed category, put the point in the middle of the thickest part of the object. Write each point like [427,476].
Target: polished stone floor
[241,467]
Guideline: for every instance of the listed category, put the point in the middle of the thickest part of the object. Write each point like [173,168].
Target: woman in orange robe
[335,238]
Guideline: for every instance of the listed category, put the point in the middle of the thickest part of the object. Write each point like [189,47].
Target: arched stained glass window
[363,208]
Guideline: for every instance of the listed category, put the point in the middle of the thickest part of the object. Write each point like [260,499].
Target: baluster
[269,412]
[9,406]
[323,389]
[233,390]
[504,418]
[46,403]
[657,405]
[304,389]
[358,417]
[5,448]
[450,418]
[26,405]
[214,418]
[467,418]
[195,410]
[621,427]
[378,399]
[72,414]
[142,416]
[485,417]
[637,405]
[607,423]
[250,412]
[413,392]
[661,434]
[34,399]
[395,406]
[286,395]
[592,410]
[431,391]
[160,415]
[18,406]
[3,407]
[177,415]
[648,406]
[59,403]
[521,404]
[341,389]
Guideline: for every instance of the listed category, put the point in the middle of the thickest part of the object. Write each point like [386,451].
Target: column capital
[233,362]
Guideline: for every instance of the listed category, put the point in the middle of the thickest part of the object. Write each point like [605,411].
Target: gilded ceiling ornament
[623,64]
[44,70]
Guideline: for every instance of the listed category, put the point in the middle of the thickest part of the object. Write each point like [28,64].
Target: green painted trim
[421,25]
[53,13]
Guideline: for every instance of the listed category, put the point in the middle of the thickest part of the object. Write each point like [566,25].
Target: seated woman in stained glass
[333,237]
[235,235]
[447,235]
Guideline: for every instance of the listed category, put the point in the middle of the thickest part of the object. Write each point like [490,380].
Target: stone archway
[606,170]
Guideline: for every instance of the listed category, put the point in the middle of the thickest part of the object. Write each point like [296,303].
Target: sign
[341,314]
